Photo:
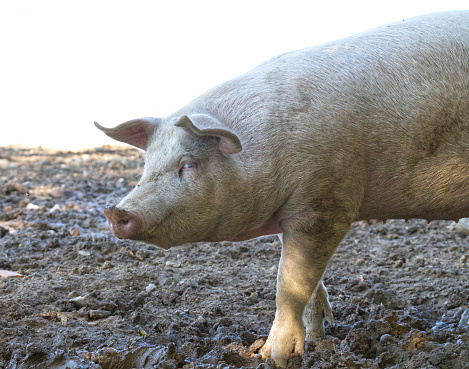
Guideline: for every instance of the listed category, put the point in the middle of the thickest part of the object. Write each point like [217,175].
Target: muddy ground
[399,291]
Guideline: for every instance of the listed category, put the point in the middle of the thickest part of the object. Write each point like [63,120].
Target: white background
[65,64]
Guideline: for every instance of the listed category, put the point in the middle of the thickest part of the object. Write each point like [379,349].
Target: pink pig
[372,126]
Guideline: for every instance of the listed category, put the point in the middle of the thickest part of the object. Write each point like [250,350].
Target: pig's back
[389,107]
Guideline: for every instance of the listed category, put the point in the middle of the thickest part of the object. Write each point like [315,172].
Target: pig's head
[190,187]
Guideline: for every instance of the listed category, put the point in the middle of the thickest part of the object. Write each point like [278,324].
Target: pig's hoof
[284,341]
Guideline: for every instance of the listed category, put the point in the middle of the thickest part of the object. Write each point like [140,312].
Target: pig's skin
[372,126]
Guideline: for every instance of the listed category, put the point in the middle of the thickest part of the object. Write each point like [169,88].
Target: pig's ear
[134,132]
[205,126]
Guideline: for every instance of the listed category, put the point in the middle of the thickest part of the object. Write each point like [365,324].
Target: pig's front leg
[302,264]
[317,309]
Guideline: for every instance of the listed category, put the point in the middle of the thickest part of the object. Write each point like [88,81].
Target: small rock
[461,227]
[54,208]
[226,322]
[74,232]
[12,186]
[4,164]
[419,262]
[201,319]
[84,269]
[35,348]
[72,295]
[453,248]
[31,206]
[118,164]
[327,343]
[109,306]
[120,183]
[172,264]
[393,236]
[150,287]
[99,314]
[399,263]
[387,339]
[107,265]
[56,192]
[464,321]
[80,301]
[415,340]
[140,299]
[142,254]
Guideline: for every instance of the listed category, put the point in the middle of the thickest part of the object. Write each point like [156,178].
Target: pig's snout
[123,223]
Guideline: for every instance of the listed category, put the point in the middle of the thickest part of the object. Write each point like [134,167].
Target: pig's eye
[186,166]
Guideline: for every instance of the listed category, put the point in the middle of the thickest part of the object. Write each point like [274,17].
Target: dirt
[399,290]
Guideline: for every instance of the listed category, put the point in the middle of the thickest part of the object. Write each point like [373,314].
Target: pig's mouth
[154,236]
[130,225]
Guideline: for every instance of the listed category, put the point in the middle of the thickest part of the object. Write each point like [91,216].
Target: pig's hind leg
[317,309]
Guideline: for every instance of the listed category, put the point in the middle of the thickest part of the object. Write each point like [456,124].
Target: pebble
[84,269]
[3,232]
[109,306]
[172,264]
[35,348]
[201,319]
[74,232]
[80,301]
[223,322]
[118,164]
[107,265]
[99,314]
[12,186]
[56,192]
[150,287]
[387,339]
[142,254]
[461,227]
[81,270]
[54,208]
[31,206]
[464,321]
[4,164]
[72,295]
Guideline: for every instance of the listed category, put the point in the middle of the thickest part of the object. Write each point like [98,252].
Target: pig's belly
[433,189]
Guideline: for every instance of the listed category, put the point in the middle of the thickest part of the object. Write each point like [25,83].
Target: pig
[373,126]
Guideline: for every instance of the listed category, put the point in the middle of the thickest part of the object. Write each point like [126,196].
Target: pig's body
[384,114]
[372,126]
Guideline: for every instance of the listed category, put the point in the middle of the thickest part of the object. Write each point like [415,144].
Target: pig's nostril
[123,223]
